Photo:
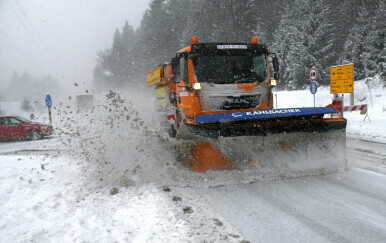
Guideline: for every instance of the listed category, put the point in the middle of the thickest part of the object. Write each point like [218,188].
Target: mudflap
[274,156]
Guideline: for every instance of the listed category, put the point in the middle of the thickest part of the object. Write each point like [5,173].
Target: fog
[60,38]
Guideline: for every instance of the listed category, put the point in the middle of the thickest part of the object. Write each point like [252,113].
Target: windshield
[230,69]
[23,119]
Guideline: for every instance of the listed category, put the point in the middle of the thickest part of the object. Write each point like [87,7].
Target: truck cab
[214,78]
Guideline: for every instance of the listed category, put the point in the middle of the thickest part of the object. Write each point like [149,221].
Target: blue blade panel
[263,114]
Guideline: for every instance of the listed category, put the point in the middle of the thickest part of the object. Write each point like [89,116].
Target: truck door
[182,87]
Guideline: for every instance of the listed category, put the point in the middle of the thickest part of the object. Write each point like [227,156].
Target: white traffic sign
[313,74]
[313,87]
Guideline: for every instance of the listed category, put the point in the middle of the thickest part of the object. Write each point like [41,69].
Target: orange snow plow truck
[215,91]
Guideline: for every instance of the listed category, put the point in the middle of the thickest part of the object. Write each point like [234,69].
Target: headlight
[196,86]
[273,82]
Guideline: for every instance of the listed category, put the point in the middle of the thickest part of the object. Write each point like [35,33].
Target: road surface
[349,206]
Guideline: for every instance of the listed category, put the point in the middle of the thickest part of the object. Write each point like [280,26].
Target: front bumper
[48,131]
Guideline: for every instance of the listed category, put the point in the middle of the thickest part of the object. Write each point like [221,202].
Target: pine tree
[290,47]
[374,50]
[128,54]
[320,33]
[26,105]
[153,33]
[304,33]
[102,73]
[380,38]
[295,46]
[354,48]
[179,22]
[268,15]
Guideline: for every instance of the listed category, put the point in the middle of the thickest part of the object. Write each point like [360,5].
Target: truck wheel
[34,135]
[172,131]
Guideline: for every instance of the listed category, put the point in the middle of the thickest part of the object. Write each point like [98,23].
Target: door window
[13,121]
[3,121]
[184,70]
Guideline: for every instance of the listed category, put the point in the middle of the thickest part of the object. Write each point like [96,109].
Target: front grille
[225,103]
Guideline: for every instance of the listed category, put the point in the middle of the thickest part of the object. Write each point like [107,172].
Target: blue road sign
[313,87]
[48,101]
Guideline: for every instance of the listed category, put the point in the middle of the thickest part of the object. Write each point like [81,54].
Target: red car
[16,127]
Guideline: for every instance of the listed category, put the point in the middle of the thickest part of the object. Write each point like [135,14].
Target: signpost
[342,80]
[49,105]
[313,85]
[313,89]
[313,74]
[85,101]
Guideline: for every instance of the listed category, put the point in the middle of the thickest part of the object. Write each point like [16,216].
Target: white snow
[55,203]
[60,188]
[357,127]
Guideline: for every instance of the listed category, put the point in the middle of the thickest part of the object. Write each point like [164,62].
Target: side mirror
[173,98]
[275,62]
[176,66]
[276,76]
[175,79]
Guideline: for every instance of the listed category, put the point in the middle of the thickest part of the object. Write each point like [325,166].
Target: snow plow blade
[270,144]
[276,156]
[264,122]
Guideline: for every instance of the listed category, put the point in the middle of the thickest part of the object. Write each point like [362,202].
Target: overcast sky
[60,37]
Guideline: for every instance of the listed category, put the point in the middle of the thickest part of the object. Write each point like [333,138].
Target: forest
[303,34]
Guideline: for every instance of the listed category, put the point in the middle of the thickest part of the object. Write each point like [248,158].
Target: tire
[172,131]
[34,135]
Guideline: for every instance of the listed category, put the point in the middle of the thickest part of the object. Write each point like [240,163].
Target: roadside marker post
[49,105]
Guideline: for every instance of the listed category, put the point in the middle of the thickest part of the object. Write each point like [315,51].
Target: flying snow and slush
[106,175]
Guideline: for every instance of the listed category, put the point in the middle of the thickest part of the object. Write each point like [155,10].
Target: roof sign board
[231,46]
[342,79]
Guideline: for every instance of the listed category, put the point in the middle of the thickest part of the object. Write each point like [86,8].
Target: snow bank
[369,91]
[47,200]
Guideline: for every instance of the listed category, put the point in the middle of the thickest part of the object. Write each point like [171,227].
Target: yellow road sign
[342,79]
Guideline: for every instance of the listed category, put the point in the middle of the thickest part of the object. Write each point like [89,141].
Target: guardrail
[362,108]
[355,108]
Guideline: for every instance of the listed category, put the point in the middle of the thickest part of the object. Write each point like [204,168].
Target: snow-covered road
[349,206]
[342,207]
[367,155]
[45,197]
